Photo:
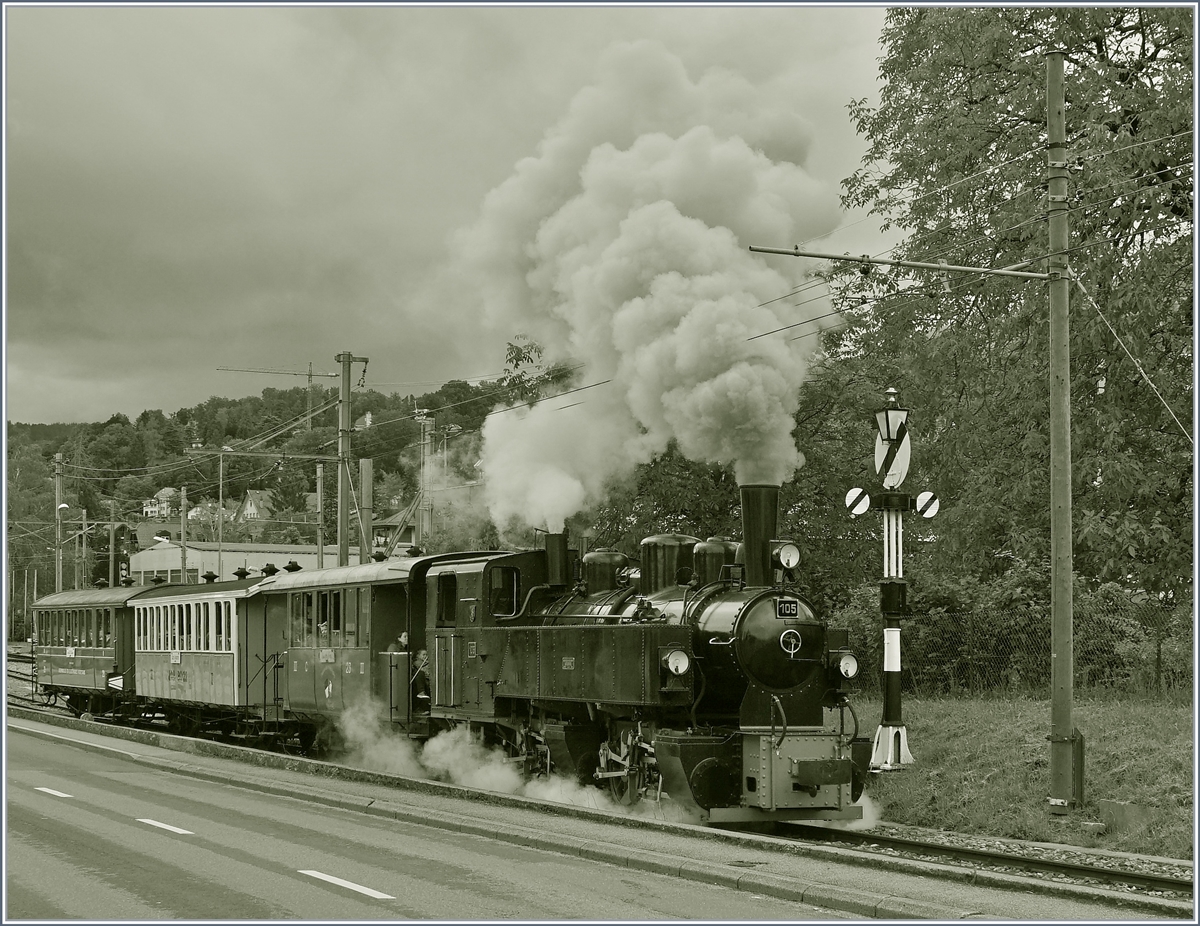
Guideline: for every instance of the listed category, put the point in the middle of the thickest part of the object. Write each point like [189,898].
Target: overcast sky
[190,188]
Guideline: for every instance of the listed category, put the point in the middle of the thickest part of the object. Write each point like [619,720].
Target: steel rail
[998,859]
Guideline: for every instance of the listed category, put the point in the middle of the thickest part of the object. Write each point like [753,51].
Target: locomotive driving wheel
[621,754]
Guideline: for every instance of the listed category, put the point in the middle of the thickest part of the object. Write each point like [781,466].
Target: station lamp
[889,418]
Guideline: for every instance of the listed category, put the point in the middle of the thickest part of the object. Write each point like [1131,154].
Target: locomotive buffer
[893,450]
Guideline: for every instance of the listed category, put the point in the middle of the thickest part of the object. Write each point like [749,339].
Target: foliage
[526,379]
[956,159]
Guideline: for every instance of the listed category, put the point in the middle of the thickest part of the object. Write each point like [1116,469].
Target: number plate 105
[787,607]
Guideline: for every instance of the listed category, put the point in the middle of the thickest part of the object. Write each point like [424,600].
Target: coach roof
[91,597]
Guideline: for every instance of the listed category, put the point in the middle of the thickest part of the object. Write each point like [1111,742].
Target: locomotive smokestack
[760,511]
[558,570]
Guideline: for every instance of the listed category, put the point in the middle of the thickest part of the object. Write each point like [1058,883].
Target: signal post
[893,450]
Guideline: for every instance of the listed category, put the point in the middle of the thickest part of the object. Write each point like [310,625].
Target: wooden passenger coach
[204,648]
[83,646]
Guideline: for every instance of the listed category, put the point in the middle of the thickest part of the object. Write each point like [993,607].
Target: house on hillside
[164,504]
[256,506]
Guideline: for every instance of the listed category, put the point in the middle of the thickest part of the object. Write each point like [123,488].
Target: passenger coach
[83,647]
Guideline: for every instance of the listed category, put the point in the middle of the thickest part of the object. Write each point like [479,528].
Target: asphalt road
[94,836]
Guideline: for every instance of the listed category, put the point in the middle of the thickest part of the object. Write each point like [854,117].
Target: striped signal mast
[893,450]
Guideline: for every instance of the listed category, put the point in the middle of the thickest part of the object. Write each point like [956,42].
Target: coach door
[302,653]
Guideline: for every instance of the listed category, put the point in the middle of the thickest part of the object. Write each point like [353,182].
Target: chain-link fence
[1135,648]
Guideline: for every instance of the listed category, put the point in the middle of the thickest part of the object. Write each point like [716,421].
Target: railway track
[1112,870]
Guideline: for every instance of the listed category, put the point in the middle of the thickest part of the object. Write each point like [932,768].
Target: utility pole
[424,523]
[58,507]
[1063,738]
[183,534]
[320,515]
[366,505]
[344,421]
[81,563]
[220,512]
[112,543]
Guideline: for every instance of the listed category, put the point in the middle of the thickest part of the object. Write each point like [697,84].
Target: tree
[956,159]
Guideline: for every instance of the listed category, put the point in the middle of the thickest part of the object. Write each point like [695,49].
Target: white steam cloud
[457,757]
[623,245]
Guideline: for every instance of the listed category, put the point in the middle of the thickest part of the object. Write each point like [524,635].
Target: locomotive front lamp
[785,555]
[847,664]
[889,418]
[677,662]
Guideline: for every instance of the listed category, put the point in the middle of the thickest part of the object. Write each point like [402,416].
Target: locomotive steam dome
[600,569]
[776,653]
[711,556]
[663,555]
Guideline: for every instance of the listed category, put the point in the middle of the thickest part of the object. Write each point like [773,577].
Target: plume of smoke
[622,244]
[371,744]
[458,757]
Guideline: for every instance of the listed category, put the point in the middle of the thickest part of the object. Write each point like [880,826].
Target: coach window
[189,633]
[228,629]
[310,618]
[335,618]
[447,592]
[296,610]
[350,616]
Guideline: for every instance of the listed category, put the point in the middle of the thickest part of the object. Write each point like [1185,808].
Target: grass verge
[983,766]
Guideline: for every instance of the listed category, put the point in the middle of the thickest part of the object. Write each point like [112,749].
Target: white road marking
[166,826]
[348,884]
[52,791]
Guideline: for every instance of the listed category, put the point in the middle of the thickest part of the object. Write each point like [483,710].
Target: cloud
[194,187]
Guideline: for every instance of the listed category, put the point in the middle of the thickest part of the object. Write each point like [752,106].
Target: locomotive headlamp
[677,662]
[847,664]
[785,555]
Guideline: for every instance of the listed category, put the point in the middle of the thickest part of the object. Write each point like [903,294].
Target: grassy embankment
[983,766]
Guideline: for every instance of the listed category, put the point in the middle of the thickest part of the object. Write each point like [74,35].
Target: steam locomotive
[700,675]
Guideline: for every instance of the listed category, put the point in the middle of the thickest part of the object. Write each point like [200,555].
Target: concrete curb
[842,899]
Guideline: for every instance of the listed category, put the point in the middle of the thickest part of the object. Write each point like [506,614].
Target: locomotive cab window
[447,599]
[505,597]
